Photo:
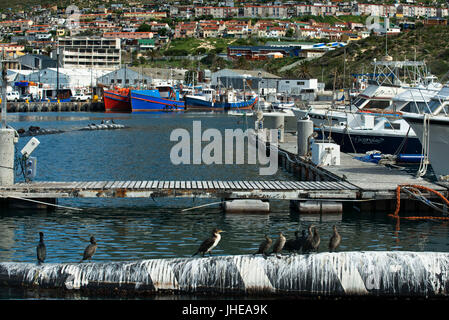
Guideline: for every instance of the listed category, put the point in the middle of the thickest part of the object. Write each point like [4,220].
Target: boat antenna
[386,34]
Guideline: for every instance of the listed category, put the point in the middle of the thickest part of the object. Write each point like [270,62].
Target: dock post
[305,130]
[7,140]
[275,122]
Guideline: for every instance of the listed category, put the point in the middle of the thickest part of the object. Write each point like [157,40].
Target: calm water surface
[130,229]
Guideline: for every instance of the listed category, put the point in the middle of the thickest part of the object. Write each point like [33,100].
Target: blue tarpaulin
[400,158]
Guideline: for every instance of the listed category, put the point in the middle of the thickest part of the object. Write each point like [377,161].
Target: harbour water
[134,229]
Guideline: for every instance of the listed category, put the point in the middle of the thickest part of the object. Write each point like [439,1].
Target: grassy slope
[429,42]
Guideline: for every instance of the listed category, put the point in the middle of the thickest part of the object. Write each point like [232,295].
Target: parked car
[80,97]
[26,97]
[12,96]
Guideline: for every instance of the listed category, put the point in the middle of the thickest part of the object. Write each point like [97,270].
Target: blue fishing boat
[209,101]
[163,98]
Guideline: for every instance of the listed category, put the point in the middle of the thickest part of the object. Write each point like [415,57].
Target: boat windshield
[379,104]
[358,102]
[433,106]
[416,107]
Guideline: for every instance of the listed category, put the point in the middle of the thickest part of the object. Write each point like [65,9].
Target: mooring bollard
[305,130]
[8,138]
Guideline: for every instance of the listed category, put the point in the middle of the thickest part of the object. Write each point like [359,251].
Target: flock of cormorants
[304,243]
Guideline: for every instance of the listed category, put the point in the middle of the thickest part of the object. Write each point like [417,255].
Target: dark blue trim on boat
[364,143]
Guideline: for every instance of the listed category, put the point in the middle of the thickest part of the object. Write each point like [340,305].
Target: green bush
[176,52]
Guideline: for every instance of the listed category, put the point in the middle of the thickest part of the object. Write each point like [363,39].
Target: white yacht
[385,84]
[432,129]
[377,123]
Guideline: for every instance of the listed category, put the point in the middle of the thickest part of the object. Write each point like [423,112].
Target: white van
[80,96]
[12,96]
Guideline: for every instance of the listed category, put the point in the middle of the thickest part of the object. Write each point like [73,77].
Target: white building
[89,52]
[70,80]
[291,86]
[235,78]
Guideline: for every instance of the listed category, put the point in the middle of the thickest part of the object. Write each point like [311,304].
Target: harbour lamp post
[259,74]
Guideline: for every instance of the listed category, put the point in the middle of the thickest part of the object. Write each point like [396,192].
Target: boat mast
[125,77]
[4,88]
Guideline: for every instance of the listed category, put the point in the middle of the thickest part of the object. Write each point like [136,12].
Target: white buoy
[247,206]
[317,207]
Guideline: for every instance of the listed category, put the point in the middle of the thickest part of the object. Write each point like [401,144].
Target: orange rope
[398,202]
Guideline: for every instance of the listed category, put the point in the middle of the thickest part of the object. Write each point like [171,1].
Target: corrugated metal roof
[251,73]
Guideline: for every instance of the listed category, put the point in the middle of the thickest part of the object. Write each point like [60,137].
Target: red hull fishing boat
[117,100]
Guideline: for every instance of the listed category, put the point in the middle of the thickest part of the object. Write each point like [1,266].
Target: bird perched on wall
[264,246]
[90,249]
[307,246]
[293,244]
[335,240]
[41,250]
[302,240]
[209,243]
[315,240]
[279,244]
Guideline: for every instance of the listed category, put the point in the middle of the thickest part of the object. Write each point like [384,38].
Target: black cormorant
[301,241]
[292,244]
[41,250]
[307,246]
[264,246]
[335,240]
[209,243]
[315,240]
[279,244]
[90,249]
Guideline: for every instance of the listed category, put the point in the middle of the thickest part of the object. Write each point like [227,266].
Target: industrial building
[36,62]
[262,52]
[125,77]
[239,79]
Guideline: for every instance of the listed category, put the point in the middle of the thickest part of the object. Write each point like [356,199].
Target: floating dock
[373,181]
[283,190]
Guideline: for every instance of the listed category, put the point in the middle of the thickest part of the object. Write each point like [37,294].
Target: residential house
[315,10]
[280,12]
[128,35]
[380,10]
[216,12]
[185,30]
[145,15]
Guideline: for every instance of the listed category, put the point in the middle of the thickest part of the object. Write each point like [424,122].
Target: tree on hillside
[290,33]
[154,54]
[304,71]
[144,28]
[241,63]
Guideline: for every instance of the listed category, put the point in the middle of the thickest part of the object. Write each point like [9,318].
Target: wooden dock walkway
[285,190]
